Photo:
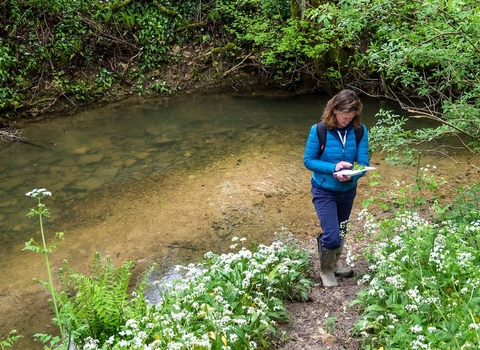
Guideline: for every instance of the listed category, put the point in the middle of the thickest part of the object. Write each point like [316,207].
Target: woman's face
[343,119]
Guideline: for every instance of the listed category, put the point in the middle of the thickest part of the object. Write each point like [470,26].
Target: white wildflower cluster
[437,255]
[375,289]
[419,343]
[344,228]
[90,344]
[393,318]
[370,225]
[192,271]
[410,222]
[38,193]
[427,167]
[416,329]
[473,284]
[401,184]
[411,308]
[416,300]
[441,285]
[350,258]
[447,227]
[414,295]
[131,324]
[397,281]
[193,301]
[383,264]
[473,226]
[465,259]
[365,278]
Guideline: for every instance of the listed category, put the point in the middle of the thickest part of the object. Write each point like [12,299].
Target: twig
[236,66]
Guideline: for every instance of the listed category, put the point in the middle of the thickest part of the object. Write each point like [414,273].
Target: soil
[325,321]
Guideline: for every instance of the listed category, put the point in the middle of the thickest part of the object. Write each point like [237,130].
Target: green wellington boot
[327,262]
[338,268]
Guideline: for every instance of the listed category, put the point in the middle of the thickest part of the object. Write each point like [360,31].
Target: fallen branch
[12,134]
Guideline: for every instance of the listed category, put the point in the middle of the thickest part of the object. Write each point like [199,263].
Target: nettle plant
[422,288]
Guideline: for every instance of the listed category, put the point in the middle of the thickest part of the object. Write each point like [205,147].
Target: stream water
[161,180]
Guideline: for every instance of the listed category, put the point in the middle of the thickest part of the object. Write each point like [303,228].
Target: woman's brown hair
[344,102]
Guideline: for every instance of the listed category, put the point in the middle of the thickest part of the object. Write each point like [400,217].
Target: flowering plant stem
[32,245]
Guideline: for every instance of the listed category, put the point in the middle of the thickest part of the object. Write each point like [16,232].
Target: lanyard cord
[343,138]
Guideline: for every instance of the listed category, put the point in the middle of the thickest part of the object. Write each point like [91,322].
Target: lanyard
[343,138]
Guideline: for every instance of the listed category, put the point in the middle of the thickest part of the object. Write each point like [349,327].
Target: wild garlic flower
[397,281]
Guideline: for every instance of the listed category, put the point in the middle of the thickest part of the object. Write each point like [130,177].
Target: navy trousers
[333,208]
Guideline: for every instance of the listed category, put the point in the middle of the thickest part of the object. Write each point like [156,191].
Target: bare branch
[238,65]
[11,134]
[442,121]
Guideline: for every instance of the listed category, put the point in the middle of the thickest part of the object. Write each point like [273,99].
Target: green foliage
[10,340]
[427,49]
[430,49]
[423,290]
[257,26]
[7,61]
[389,137]
[405,197]
[426,45]
[329,324]
[162,88]
[287,44]
[422,286]
[465,208]
[232,300]
[63,38]
[97,305]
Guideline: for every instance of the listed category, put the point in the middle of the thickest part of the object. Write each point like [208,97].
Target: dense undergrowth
[62,54]
[228,301]
[422,286]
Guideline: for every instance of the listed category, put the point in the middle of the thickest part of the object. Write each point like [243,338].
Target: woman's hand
[344,178]
[343,165]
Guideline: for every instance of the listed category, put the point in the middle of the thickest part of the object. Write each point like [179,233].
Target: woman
[333,195]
